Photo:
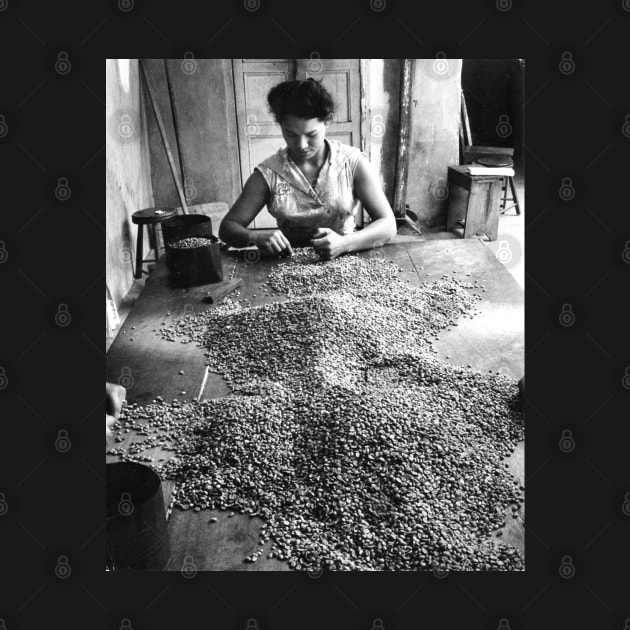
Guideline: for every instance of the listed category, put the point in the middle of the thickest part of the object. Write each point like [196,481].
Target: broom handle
[169,155]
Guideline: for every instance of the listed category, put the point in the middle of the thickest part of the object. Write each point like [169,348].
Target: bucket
[197,265]
[136,526]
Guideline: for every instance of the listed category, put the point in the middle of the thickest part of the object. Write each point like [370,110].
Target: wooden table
[493,340]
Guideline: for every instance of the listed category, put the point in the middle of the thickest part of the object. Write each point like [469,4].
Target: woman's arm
[379,231]
[251,201]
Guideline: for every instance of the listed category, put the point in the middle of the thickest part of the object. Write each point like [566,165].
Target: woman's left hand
[328,244]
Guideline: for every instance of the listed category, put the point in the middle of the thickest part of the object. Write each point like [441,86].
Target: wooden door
[258,133]
[342,79]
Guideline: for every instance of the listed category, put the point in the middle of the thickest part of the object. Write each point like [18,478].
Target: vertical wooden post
[402,156]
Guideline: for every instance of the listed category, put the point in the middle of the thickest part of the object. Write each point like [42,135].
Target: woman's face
[304,137]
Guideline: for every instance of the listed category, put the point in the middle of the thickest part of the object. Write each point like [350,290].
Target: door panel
[341,77]
[259,135]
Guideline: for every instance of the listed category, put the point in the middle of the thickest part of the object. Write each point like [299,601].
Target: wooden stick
[169,155]
[466,123]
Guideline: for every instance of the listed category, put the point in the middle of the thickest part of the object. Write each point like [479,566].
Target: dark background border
[51,504]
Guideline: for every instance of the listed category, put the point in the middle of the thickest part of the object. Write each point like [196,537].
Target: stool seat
[148,216]
[496,160]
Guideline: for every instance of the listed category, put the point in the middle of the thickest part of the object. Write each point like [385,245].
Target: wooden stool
[149,217]
[503,160]
[473,203]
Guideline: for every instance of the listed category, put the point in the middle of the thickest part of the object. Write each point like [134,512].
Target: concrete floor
[509,249]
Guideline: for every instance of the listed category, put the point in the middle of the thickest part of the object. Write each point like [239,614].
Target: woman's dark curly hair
[304,99]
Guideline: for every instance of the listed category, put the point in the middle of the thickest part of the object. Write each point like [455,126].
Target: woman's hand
[328,244]
[273,243]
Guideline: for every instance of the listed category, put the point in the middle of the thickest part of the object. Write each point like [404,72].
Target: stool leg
[138,273]
[513,188]
[154,242]
[504,200]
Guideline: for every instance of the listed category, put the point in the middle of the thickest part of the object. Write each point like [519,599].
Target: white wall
[128,182]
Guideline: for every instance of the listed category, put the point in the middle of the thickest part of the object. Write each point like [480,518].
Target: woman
[313,187]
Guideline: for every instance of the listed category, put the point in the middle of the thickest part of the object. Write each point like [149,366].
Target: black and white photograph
[315,349]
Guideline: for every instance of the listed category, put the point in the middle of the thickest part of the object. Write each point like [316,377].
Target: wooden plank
[219,546]
[465,123]
[492,340]
[402,157]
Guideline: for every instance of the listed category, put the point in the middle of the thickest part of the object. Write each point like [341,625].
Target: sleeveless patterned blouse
[299,208]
